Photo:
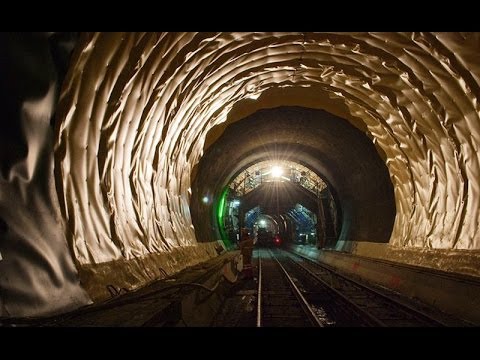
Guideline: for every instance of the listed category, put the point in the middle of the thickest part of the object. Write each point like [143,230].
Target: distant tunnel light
[236,203]
[262,222]
[205,199]
[277,171]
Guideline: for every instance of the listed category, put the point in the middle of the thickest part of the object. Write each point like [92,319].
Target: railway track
[293,291]
[280,302]
[296,291]
[366,306]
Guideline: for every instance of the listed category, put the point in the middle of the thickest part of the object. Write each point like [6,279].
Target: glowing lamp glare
[277,171]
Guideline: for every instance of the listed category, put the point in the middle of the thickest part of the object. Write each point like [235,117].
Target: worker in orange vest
[246,248]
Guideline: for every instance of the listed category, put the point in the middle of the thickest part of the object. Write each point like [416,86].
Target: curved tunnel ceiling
[137,110]
[276,170]
[266,196]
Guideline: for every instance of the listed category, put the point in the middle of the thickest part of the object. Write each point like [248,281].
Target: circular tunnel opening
[313,177]
[279,201]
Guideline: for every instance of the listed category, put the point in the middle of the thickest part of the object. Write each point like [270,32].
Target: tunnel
[118,149]
[344,156]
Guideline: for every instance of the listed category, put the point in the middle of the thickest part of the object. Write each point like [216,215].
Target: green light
[221,209]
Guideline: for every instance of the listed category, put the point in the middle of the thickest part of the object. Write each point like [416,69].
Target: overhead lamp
[277,171]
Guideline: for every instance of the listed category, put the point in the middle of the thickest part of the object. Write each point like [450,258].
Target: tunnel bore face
[137,111]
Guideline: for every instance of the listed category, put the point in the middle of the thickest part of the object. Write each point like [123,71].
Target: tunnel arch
[277,188]
[146,102]
[357,68]
[326,144]
[132,122]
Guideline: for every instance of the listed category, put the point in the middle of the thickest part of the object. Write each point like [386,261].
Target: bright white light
[262,222]
[277,171]
[205,199]
[236,202]
[254,96]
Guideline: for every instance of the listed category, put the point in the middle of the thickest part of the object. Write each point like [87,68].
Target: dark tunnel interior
[330,146]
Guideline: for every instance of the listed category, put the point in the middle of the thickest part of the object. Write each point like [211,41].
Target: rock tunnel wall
[132,121]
